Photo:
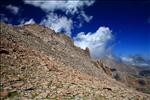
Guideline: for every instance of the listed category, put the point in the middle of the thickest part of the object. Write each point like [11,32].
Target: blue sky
[128,21]
[121,27]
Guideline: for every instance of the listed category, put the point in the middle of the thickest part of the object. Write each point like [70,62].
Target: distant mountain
[137,77]
[38,63]
[136,60]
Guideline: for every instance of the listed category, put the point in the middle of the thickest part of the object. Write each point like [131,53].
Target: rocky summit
[36,63]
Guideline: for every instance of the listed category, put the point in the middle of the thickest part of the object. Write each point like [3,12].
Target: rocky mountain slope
[37,63]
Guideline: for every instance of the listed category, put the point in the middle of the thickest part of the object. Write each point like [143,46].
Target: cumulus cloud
[127,59]
[97,42]
[13,9]
[58,23]
[69,6]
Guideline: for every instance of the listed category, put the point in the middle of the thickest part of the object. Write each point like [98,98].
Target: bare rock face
[87,51]
[37,63]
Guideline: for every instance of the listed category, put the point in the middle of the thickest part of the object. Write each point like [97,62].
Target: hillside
[37,63]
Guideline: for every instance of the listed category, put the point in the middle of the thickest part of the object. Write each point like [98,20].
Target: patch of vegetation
[48,97]
[34,95]
[13,94]
[1,87]
[2,65]
[100,97]
[68,98]
[49,84]
[144,90]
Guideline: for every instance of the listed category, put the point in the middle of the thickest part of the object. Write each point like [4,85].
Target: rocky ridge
[37,63]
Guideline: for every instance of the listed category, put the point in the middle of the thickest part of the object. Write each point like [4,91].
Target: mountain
[133,76]
[38,63]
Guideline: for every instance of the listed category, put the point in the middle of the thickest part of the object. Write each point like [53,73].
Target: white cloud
[82,17]
[127,59]
[69,6]
[31,21]
[86,17]
[135,60]
[13,9]
[97,42]
[58,23]
[23,22]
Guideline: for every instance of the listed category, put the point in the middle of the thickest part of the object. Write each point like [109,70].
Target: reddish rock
[4,93]
[18,85]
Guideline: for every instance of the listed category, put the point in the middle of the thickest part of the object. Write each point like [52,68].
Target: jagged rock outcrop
[37,63]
